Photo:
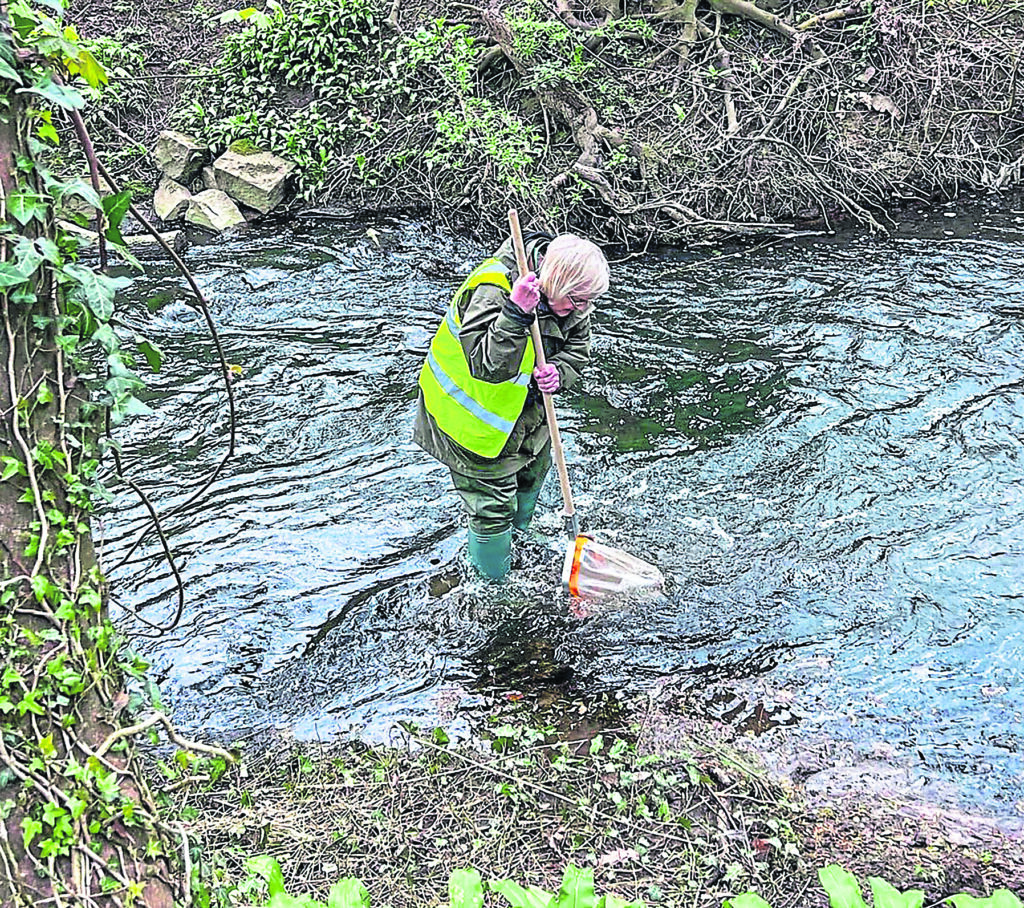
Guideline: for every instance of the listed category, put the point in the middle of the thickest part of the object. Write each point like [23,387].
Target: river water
[819,442]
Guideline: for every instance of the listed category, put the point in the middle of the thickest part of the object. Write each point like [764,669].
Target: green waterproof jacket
[493,336]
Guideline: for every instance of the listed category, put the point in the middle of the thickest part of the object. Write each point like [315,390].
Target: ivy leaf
[83,190]
[11,466]
[23,207]
[10,276]
[96,290]
[9,72]
[60,95]
[30,829]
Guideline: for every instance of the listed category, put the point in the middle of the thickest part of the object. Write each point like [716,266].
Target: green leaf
[115,207]
[96,290]
[842,887]
[885,895]
[348,893]
[8,72]
[283,900]
[60,95]
[23,207]
[267,868]
[135,407]
[91,69]
[1001,898]
[10,276]
[577,889]
[465,889]
[49,132]
[28,257]
[154,355]
[48,249]
[30,829]
[114,237]
[518,897]
[11,466]
[82,189]
[747,900]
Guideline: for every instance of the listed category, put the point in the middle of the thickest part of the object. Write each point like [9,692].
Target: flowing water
[818,442]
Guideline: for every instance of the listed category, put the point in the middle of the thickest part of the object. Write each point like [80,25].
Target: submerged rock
[213,210]
[135,242]
[256,179]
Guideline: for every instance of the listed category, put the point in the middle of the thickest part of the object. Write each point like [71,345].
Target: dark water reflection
[820,444]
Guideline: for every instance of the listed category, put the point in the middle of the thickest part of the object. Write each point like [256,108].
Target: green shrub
[844,892]
[301,82]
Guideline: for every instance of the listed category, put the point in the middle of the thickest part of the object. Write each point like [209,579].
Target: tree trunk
[76,826]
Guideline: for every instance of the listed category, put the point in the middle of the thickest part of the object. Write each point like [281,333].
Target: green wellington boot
[526,504]
[491,555]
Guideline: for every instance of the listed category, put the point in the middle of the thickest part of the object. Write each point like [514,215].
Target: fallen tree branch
[129,731]
[833,15]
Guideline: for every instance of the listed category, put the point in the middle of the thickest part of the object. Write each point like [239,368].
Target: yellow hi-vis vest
[479,415]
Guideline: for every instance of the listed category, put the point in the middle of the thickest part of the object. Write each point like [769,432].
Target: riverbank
[662,124]
[659,803]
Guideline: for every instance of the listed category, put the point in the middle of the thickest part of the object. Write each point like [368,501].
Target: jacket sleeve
[572,358]
[492,338]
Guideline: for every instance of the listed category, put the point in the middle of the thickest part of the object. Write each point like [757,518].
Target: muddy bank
[631,123]
[661,804]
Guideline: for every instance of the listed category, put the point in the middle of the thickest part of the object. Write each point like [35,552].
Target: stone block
[171,200]
[256,179]
[180,156]
[213,210]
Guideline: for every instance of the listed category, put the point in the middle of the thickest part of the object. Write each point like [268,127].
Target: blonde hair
[573,267]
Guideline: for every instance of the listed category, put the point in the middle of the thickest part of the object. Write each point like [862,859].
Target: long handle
[569,509]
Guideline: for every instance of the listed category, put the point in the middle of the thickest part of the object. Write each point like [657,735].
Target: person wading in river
[480,409]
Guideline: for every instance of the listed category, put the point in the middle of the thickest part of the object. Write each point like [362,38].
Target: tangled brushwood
[676,829]
[663,120]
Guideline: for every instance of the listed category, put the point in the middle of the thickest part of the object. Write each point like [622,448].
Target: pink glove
[547,378]
[526,292]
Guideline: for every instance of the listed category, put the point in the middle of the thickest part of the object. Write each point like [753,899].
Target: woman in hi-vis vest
[480,410]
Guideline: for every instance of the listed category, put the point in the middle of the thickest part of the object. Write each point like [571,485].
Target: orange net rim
[574,587]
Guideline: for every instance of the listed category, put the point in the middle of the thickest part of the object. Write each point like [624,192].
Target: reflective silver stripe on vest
[465,401]
[452,326]
[522,379]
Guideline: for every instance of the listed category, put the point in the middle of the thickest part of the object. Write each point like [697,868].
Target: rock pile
[216,197]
